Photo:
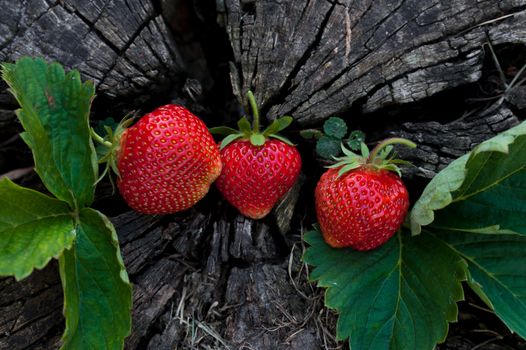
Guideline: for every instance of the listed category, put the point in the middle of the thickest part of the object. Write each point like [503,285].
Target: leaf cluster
[34,227]
[329,142]
[251,132]
[468,225]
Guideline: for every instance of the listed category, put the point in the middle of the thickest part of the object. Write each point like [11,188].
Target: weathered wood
[224,277]
[441,143]
[209,278]
[123,46]
[312,59]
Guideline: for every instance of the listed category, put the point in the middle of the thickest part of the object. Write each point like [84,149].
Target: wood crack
[284,90]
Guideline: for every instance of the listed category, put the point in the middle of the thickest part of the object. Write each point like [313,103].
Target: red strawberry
[258,168]
[359,202]
[254,178]
[166,161]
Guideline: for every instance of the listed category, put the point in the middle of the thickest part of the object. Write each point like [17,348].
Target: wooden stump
[209,278]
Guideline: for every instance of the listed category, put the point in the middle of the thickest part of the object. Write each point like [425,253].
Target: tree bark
[209,278]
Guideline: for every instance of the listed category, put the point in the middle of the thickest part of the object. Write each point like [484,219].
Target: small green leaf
[97,292]
[223,130]
[364,149]
[393,168]
[349,153]
[328,147]
[484,188]
[355,140]
[55,111]
[272,128]
[257,139]
[309,134]
[278,125]
[399,296]
[33,229]
[335,127]
[497,267]
[282,139]
[347,168]
[107,125]
[385,152]
[229,139]
[244,125]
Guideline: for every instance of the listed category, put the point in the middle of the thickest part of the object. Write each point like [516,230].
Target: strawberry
[166,162]
[359,202]
[259,168]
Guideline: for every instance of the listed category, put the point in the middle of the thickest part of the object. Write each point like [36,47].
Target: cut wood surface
[125,47]
[312,59]
[224,278]
[209,278]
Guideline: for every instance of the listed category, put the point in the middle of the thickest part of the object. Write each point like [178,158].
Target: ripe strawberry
[258,168]
[166,162]
[359,202]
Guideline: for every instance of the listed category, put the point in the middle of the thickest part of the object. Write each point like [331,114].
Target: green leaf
[223,130]
[348,167]
[486,187]
[477,205]
[398,296]
[309,134]
[335,127]
[328,147]
[55,111]
[257,139]
[364,149]
[356,138]
[497,267]
[229,139]
[385,152]
[244,125]
[278,125]
[282,139]
[33,229]
[97,292]
[108,125]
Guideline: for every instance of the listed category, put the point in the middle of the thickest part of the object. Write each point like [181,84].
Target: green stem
[255,111]
[99,139]
[387,142]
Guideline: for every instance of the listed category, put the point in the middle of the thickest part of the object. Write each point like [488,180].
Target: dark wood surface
[209,278]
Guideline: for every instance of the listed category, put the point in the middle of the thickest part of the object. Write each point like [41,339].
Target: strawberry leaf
[229,139]
[482,190]
[97,292]
[397,297]
[309,134]
[54,112]
[328,147]
[497,268]
[277,125]
[244,126]
[223,130]
[282,139]
[33,229]
[356,138]
[477,205]
[335,127]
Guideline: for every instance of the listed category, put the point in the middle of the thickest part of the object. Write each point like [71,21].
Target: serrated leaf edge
[462,267]
[438,193]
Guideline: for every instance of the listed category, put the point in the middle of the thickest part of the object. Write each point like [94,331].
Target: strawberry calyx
[252,132]
[380,158]
[111,144]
